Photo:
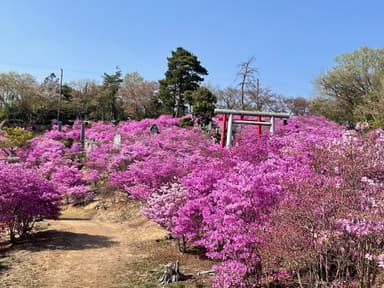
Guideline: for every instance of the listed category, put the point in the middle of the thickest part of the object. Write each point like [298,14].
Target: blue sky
[293,41]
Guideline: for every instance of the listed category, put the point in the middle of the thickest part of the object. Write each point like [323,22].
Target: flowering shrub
[236,219]
[164,204]
[59,163]
[24,198]
[146,161]
[305,204]
[70,183]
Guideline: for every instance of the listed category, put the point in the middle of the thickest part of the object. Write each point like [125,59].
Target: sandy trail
[81,253]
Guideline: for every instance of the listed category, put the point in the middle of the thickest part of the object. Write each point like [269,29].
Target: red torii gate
[228,121]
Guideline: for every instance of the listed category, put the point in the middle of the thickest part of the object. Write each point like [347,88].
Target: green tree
[184,74]
[112,107]
[133,78]
[326,107]
[139,97]
[372,110]
[85,96]
[355,80]
[66,92]
[21,98]
[51,83]
[50,92]
[297,105]
[203,105]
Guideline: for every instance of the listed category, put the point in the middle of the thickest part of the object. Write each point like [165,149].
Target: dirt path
[94,253]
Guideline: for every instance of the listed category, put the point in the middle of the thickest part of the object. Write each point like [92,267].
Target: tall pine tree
[111,85]
[184,74]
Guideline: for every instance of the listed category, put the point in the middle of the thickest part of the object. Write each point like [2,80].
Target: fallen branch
[208,272]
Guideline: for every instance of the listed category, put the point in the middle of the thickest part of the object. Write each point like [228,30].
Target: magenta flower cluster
[24,198]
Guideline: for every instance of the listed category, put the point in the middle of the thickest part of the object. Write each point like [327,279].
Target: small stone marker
[117,141]
[154,129]
[89,145]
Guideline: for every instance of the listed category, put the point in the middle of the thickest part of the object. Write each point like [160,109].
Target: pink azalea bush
[24,198]
[56,155]
[139,165]
[165,203]
[305,204]
[153,160]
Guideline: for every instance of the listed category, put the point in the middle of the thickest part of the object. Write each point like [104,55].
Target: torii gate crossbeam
[228,120]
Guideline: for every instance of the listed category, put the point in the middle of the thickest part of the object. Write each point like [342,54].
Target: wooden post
[259,127]
[223,129]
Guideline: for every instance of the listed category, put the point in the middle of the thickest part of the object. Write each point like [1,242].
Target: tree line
[351,91]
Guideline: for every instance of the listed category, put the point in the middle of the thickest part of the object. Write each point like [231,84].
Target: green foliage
[354,86]
[203,101]
[84,101]
[66,92]
[15,137]
[186,122]
[133,78]
[67,142]
[327,107]
[18,96]
[109,106]
[183,74]
[28,103]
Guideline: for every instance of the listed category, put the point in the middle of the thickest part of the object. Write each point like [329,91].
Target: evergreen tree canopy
[203,105]
[111,84]
[184,74]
